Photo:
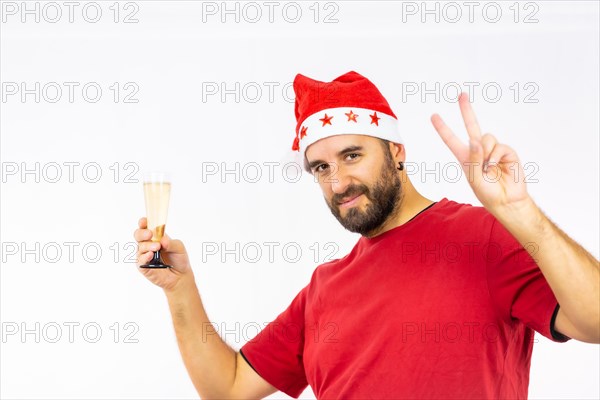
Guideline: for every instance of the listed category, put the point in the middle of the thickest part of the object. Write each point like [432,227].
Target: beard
[384,198]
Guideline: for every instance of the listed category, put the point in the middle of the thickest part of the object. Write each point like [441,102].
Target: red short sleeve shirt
[443,306]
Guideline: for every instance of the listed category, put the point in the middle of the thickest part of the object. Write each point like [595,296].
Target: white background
[172,54]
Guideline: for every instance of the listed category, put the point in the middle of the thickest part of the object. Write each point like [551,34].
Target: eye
[319,169]
[352,156]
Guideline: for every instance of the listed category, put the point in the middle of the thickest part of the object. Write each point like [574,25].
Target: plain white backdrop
[93,94]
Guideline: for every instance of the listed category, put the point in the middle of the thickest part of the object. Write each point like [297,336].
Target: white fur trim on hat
[347,121]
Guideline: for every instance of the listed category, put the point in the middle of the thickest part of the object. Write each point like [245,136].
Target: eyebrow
[348,149]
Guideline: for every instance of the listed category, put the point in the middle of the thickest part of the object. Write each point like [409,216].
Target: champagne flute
[157,191]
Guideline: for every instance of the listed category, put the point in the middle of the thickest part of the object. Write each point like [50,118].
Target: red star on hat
[351,116]
[303,132]
[374,118]
[326,120]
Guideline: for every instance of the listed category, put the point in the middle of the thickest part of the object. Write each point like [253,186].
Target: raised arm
[216,370]
[572,273]
[497,179]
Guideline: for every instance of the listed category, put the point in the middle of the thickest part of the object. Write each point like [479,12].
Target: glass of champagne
[157,191]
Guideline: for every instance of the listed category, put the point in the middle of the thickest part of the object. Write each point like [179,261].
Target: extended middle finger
[469,117]
[488,142]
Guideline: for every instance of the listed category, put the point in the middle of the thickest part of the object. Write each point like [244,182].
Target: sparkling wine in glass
[157,191]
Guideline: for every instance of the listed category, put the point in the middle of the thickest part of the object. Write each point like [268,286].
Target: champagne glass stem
[157,260]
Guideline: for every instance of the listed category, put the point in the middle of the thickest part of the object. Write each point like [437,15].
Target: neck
[411,203]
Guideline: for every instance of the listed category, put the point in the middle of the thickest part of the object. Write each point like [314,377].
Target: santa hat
[350,104]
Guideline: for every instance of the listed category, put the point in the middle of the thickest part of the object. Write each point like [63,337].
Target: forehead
[330,146]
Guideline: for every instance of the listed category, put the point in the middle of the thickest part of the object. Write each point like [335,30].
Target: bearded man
[437,299]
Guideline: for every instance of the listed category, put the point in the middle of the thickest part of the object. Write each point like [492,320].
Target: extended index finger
[468,116]
[459,149]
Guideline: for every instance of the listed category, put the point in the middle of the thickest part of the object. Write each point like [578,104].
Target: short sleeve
[517,286]
[276,352]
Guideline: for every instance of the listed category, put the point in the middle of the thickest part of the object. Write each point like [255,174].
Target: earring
[400,165]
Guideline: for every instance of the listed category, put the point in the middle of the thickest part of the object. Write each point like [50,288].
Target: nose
[339,181]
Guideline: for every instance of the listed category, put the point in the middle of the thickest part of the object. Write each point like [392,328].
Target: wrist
[523,213]
[184,285]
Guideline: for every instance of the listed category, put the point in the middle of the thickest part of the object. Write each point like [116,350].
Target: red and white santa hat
[350,104]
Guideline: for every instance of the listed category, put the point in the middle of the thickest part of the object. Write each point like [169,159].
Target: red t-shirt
[443,306]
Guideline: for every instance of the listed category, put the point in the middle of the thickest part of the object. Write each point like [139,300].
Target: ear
[398,151]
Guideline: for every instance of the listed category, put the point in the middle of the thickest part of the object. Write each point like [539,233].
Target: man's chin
[353,219]
[345,211]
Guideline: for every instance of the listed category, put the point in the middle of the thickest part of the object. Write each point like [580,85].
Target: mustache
[352,191]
